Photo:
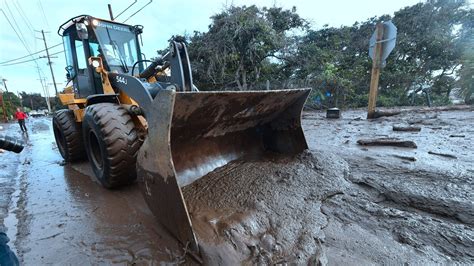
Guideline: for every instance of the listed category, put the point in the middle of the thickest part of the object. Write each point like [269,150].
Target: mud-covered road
[337,203]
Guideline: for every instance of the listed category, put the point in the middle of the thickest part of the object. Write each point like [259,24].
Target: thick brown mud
[342,203]
[337,203]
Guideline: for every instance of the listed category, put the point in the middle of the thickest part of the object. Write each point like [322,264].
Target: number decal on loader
[121,79]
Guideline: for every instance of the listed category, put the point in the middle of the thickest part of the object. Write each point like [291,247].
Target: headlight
[95,63]
[95,22]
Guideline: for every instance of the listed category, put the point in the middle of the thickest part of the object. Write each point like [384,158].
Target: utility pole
[376,65]
[5,84]
[5,119]
[21,98]
[46,93]
[49,63]
[4,108]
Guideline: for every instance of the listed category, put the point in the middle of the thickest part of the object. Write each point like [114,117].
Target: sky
[161,19]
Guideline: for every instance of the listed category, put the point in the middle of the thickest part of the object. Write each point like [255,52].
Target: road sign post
[376,64]
[381,45]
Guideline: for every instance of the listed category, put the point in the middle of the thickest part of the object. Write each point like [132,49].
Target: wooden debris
[380,113]
[406,128]
[443,154]
[387,142]
[408,158]
[457,136]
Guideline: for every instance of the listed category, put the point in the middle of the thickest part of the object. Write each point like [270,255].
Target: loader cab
[116,43]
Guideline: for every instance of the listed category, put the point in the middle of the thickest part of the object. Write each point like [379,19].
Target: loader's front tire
[112,143]
[68,135]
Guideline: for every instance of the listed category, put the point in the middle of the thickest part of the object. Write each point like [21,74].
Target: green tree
[240,44]
[33,100]
[11,103]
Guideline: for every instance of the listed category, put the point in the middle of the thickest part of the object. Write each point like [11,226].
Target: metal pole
[374,80]
[49,63]
[110,12]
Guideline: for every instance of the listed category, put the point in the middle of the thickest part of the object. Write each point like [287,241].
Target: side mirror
[69,70]
[81,29]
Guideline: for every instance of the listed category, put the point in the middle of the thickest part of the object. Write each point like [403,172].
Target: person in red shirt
[20,116]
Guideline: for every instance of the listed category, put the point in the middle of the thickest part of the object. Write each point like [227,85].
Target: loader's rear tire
[112,143]
[68,135]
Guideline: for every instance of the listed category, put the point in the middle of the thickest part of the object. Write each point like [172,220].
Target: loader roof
[72,21]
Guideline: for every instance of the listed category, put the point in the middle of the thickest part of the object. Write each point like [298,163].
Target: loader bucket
[192,133]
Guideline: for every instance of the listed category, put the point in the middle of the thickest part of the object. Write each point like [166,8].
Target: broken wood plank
[408,158]
[407,128]
[387,142]
[443,154]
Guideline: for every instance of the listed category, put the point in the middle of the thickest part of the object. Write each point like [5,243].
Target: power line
[137,11]
[22,41]
[21,62]
[11,60]
[18,27]
[23,17]
[134,2]
[44,16]
[29,60]
[16,32]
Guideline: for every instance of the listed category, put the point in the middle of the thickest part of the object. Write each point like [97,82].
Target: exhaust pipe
[11,144]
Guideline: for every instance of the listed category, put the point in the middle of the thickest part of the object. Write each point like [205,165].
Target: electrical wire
[23,18]
[135,1]
[21,62]
[37,52]
[44,15]
[24,15]
[16,32]
[29,60]
[24,44]
[137,11]
[18,27]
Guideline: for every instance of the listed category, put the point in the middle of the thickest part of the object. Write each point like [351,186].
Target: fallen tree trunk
[406,128]
[387,142]
[457,136]
[408,158]
[443,154]
[380,113]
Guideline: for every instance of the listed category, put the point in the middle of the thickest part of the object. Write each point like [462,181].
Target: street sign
[388,41]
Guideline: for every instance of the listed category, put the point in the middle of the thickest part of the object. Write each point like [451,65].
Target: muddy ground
[337,203]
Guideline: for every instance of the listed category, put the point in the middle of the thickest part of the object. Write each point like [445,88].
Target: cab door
[83,76]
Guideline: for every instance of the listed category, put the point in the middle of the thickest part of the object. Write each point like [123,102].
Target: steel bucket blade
[192,133]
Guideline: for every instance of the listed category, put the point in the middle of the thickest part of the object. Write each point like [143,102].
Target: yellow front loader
[152,124]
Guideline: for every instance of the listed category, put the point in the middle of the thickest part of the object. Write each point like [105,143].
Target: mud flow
[340,202]
[336,203]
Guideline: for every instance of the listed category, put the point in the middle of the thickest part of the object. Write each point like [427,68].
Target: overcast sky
[161,20]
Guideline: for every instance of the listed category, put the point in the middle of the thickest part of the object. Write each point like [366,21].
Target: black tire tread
[66,121]
[121,140]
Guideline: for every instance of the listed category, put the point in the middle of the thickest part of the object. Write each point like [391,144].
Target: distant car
[38,113]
